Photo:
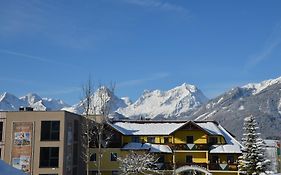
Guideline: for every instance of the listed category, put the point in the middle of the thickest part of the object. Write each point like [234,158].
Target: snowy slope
[263,100]
[165,104]
[9,102]
[258,87]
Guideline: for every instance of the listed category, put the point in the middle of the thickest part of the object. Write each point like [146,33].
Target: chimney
[21,108]
[25,108]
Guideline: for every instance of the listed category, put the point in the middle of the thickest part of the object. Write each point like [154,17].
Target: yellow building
[181,146]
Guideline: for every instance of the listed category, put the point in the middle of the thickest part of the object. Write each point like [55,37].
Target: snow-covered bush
[138,163]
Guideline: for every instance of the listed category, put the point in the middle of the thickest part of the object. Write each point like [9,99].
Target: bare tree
[96,133]
[87,123]
[138,163]
[103,132]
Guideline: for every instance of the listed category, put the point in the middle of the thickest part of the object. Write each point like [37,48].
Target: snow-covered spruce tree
[252,161]
[138,163]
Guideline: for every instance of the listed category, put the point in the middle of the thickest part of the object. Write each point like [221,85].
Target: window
[166,140]
[151,139]
[49,157]
[0,153]
[50,130]
[113,156]
[114,173]
[188,159]
[1,131]
[93,172]
[75,135]
[74,170]
[136,139]
[215,159]
[75,154]
[189,139]
[230,159]
[93,157]
[213,140]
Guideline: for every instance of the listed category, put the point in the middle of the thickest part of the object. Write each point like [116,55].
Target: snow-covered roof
[225,149]
[271,143]
[6,169]
[146,128]
[153,148]
[231,146]
[210,127]
[168,127]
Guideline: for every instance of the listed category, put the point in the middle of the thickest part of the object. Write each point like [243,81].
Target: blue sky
[51,46]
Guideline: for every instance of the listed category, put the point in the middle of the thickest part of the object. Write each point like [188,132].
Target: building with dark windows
[49,143]
[41,142]
[181,147]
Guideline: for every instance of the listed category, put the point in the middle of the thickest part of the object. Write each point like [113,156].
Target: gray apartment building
[42,142]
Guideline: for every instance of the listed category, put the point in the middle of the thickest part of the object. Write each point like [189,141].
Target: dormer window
[189,139]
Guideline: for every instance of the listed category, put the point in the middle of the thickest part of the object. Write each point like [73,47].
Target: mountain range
[263,100]
[9,102]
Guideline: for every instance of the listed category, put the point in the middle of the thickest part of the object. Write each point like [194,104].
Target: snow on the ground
[241,108]
[6,169]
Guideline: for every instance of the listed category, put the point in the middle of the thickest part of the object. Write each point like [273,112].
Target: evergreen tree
[253,161]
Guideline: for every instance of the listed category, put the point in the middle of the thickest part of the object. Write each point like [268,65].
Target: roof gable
[191,126]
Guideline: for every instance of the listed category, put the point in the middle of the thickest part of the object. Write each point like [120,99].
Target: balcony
[190,147]
[204,165]
[170,166]
[223,166]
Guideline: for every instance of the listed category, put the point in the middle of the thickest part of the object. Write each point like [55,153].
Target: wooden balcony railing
[204,165]
[223,166]
[170,166]
[211,166]
[190,146]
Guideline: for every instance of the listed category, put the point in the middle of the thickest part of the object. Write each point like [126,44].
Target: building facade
[41,142]
[178,145]
[49,143]
[272,152]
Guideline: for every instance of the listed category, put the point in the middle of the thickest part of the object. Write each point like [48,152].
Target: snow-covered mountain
[165,104]
[9,102]
[102,96]
[263,100]
[256,88]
